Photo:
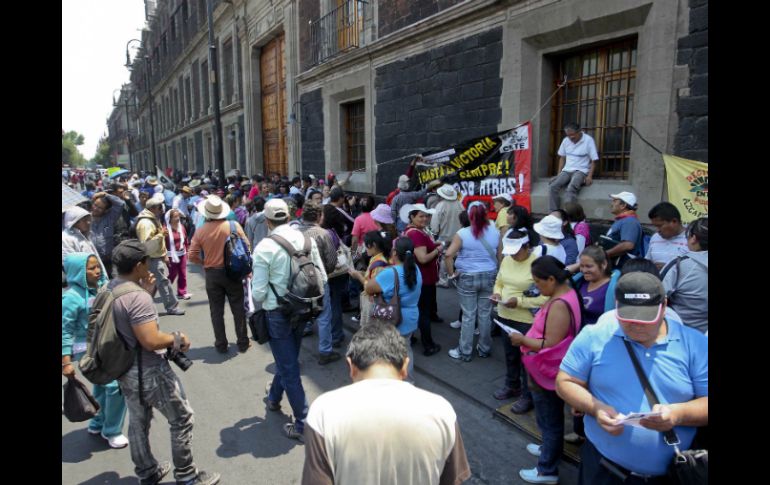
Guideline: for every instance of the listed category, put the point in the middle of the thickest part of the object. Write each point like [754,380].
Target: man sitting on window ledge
[577,160]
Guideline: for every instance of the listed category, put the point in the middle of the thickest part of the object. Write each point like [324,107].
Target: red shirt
[429,270]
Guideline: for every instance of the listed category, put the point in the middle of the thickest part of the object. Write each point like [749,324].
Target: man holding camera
[151,383]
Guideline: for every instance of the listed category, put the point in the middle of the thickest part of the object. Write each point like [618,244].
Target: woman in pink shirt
[363,223]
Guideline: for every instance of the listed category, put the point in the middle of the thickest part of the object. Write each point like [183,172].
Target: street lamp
[125,92]
[220,155]
[129,66]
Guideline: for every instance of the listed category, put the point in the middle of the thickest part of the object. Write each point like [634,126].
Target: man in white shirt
[577,160]
[381,429]
[670,241]
[271,267]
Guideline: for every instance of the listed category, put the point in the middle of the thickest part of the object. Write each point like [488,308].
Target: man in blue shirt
[597,377]
[626,229]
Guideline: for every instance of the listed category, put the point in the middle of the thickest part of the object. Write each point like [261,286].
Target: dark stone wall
[309,11]
[435,99]
[692,137]
[397,14]
[312,134]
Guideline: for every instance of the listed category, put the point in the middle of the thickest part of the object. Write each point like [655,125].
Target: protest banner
[688,186]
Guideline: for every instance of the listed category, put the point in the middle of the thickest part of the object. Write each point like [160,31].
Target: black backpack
[304,299]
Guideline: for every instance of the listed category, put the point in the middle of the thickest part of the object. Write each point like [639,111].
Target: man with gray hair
[367,429]
[577,161]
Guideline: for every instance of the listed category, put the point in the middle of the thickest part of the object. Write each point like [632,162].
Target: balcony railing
[339,31]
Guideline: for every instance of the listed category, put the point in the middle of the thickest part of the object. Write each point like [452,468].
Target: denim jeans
[549,414]
[515,374]
[474,290]
[219,286]
[163,391]
[425,305]
[324,320]
[285,345]
[160,271]
[338,288]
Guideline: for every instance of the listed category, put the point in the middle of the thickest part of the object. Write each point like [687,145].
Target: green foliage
[102,156]
[69,151]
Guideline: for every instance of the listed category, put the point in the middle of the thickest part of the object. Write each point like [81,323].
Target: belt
[624,473]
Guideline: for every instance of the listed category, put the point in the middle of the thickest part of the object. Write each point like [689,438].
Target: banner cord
[413,155]
[648,143]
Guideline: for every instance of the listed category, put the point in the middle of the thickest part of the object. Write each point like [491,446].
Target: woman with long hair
[544,346]
[476,268]
[686,278]
[519,218]
[177,244]
[403,261]
[382,217]
[378,247]
[427,252]
[577,220]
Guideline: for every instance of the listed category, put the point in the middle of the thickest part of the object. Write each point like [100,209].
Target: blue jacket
[74,301]
[609,300]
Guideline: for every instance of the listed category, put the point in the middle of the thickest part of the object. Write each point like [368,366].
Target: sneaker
[574,438]
[532,476]
[428,352]
[162,471]
[271,405]
[244,348]
[117,442]
[175,311]
[291,432]
[202,478]
[356,318]
[522,406]
[324,359]
[94,432]
[482,354]
[184,297]
[506,393]
[533,449]
[456,354]
[456,324]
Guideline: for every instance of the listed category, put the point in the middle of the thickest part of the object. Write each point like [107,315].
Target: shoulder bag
[689,467]
[543,365]
[388,312]
[79,404]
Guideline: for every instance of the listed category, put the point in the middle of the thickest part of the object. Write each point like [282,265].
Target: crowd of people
[559,297]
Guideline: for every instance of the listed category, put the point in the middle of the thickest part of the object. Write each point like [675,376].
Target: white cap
[513,246]
[626,197]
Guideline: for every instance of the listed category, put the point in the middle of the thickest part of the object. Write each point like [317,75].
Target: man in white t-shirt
[577,160]
[381,429]
[670,241]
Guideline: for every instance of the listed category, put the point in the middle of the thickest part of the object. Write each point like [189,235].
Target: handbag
[543,365]
[258,325]
[689,467]
[344,259]
[388,312]
[79,404]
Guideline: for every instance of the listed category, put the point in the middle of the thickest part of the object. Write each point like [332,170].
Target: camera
[532,291]
[179,358]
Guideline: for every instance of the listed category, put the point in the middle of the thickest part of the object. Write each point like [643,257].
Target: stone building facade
[120,128]
[314,86]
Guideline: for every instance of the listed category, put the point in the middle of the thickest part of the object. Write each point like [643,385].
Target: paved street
[236,436]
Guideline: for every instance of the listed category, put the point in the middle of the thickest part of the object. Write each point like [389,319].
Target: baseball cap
[154,201]
[276,210]
[626,197]
[640,298]
[505,197]
[129,253]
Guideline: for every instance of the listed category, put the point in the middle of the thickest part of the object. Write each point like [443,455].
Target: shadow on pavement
[209,355]
[261,437]
[78,446]
[111,478]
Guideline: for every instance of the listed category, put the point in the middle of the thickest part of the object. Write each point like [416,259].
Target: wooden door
[273,85]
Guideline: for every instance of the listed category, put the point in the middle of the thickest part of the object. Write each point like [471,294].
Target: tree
[69,151]
[102,156]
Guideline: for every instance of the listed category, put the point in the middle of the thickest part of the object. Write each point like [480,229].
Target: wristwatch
[177,340]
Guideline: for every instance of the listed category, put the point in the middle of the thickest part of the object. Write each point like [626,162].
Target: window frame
[354,136]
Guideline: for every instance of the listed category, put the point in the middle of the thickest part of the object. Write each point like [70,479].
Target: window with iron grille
[599,96]
[355,135]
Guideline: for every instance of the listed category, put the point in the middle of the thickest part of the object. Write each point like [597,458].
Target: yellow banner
[688,186]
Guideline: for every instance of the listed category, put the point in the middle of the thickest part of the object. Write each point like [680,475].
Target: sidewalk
[478,379]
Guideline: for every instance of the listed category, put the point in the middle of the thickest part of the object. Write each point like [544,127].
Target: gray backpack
[304,300]
[107,356]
